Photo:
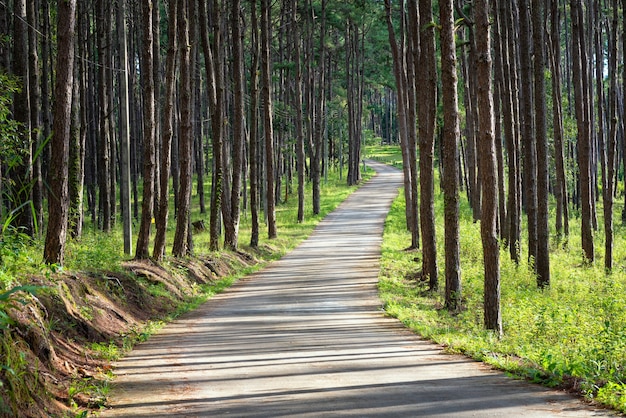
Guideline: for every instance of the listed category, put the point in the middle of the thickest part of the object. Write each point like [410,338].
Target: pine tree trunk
[148,83]
[399,71]
[162,211]
[36,127]
[413,50]
[231,221]
[266,92]
[426,69]
[562,212]
[58,202]
[104,137]
[503,73]
[254,126]
[21,175]
[215,90]
[528,130]
[542,261]
[488,170]
[611,148]
[450,156]
[581,92]
[78,134]
[181,245]
[300,153]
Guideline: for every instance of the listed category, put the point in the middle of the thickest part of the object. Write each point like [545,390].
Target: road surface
[306,337]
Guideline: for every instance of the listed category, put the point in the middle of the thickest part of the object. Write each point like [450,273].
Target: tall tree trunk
[215,90]
[266,92]
[162,211]
[515,175]
[581,93]
[399,71]
[300,153]
[21,197]
[468,62]
[78,132]
[156,69]
[624,106]
[254,126]
[124,145]
[181,245]
[58,202]
[103,24]
[413,51]
[231,220]
[511,227]
[426,69]
[318,100]
[497,109]
[488,171]
[36,128]
[450,156]
[46,83]
[148,83]
[528,130]
[560,192]
[611,148]
[542,261]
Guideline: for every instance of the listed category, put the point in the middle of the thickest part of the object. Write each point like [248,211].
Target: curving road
[306,337]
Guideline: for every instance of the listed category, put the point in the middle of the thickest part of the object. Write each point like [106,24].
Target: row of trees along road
[534,85]
[513,101]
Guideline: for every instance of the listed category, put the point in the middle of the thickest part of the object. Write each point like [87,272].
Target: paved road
[306,337]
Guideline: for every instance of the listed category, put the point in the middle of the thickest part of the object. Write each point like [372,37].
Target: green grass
[572,333]
[388,154]
[21,256]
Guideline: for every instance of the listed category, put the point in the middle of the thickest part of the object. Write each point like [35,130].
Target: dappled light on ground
[307,337]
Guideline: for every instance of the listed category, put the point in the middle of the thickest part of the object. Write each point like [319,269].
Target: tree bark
[399,71]
[488,171]
[611,148]
[507,98]
[147,81]
[36,128]
[528,130]
[125,138]
[181,245]
[300,152]
[215,90]
[168,132]
[581,93]
[450,156]
[542,261]
[21,196]
[103,24]
[76,167]
[231,220]
[58,201]
[254,126]
[426,69]
[562,212]
[266,92]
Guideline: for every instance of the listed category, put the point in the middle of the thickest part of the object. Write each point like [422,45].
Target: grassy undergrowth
[21,256]
[571,335]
